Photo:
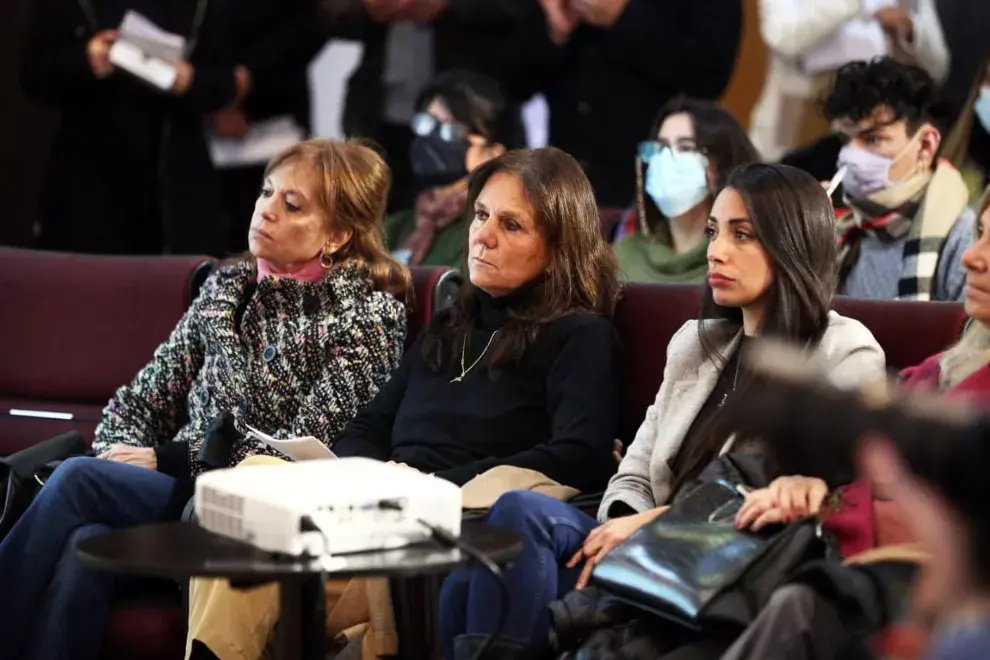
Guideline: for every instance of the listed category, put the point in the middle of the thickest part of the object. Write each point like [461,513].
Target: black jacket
[605,87]
[276,40]
[471,35]
[129,170]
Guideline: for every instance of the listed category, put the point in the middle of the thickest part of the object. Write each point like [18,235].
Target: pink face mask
[866,173]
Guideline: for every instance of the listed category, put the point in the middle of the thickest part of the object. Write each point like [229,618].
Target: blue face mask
[982,108]
[676,182]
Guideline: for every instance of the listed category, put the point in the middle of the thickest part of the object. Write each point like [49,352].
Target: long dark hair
[719,137]
[794,222]
[582,274]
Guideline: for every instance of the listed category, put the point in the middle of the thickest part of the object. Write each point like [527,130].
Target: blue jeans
[552,532]
[51,606]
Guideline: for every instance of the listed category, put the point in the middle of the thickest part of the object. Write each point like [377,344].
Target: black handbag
[23,474]
[692,566]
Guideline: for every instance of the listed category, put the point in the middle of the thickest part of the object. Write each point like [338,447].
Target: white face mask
[982,108]
[677,181]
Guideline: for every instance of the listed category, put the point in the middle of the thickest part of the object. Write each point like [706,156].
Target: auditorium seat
[434,288]
[75,328]
[608,219]
[908,331]
[649,314]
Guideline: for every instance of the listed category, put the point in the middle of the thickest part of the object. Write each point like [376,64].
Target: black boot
[466,647]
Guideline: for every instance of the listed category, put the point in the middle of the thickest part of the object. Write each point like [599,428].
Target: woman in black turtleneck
[521,371]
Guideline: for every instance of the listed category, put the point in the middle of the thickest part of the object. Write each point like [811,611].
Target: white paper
[263,141]
[857,39]
[151,39]
[132,59]
[297,449]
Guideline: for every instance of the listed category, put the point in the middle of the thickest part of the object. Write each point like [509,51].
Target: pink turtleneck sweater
[310,271]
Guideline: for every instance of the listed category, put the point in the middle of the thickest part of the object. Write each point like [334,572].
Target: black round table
[182,550]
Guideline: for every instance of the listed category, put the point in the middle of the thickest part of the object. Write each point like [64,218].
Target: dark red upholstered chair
[649,314]
[608,219]
[75,327]
[909,332]
[647,317]
[434,288]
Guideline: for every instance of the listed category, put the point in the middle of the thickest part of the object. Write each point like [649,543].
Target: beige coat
[785,115]
[848,349]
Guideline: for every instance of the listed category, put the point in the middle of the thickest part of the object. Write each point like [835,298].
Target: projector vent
[221,513]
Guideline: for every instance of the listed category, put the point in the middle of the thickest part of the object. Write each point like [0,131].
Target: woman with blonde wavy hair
[294,340]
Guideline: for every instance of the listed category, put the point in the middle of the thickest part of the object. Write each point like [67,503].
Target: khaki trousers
[237,624]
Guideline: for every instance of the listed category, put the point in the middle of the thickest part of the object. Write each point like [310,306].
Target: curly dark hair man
[908,220]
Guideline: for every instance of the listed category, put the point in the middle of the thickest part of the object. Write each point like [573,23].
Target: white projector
[330,506]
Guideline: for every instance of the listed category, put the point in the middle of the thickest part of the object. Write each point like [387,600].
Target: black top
[555,412]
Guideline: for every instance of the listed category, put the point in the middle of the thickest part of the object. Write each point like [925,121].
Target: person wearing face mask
[696,144]
[908,220]
[462,122]
[968,144]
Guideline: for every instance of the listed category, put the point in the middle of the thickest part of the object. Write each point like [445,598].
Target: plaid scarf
[924,208]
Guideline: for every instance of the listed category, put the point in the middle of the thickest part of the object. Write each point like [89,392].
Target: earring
[326,258]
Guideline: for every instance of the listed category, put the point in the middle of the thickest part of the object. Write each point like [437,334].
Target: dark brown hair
[719,137]
[582,273]
[794,222]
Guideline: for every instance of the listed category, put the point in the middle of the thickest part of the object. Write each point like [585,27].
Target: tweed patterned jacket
[306,358]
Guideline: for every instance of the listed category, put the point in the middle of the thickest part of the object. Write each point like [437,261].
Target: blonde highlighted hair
[973,349]
[353,193]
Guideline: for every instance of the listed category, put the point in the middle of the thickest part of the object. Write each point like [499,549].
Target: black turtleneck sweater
[555,412]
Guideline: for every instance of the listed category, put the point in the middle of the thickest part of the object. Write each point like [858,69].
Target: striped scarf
[924,208]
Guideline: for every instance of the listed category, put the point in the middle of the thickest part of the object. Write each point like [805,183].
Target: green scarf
[651,259]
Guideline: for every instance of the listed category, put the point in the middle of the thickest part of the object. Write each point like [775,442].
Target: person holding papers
[522,371]
[129,172]
[294,340]
[810,39]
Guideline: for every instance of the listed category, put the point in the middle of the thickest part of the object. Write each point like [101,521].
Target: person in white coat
[808,39]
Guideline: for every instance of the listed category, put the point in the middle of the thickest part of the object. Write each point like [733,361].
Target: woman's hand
[98,53]
[605,537]
[140,456]
[785,500]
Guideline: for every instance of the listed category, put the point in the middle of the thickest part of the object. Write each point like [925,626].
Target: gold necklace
[464,372]
[735,380]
